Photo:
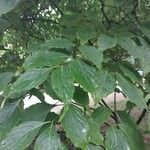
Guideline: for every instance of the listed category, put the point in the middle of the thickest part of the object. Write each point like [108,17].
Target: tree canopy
[67,49]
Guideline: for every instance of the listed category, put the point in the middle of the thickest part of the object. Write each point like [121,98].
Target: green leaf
[59,43]
[45,59]
[37,112]
[92,54]
[93,147]
[5,78]
[130,72]
[94,134]
[7,5]
[85,31]
[83,74]
[101,115]
[62,83]
[134,94]
[106,42]
[9,117]
[28,80]
[126,119]
[38,94]
[76,126]
[21,136]
[81,97]
[146,31]
[105,84]
[48,140]
[48,88]
[133,137]
[115,140]
[141,52]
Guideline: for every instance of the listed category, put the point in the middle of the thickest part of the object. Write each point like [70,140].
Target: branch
[56,7]
[139,120]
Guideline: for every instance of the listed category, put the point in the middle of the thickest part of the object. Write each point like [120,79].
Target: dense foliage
[68,49]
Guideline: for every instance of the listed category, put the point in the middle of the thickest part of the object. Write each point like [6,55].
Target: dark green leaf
[48,88]
[59,43]
[38,94]
[76,126]
[94,134]
[28,80]
[134,94]
[81,96]
[62,83]
[37,112]
[48,140]
[84,75]
[101,115]
[21,136]
[5,78]
[106,42]
[85,31]
[45,58]
[9,117]
[92,54]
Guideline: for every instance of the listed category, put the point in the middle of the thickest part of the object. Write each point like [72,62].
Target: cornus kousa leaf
[106,42]
[105,84]
[9,117]
[101,115]
[5,78]
[37,112]
[123,138]
[94,134]
[27,81]
[45,59]
[134,94]
[83,74]
[21,136]
[62,83]
[76,126]
[92,54]
[59,43]
[48,140]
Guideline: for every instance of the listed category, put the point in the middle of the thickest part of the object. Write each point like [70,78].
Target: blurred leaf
[134,94]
